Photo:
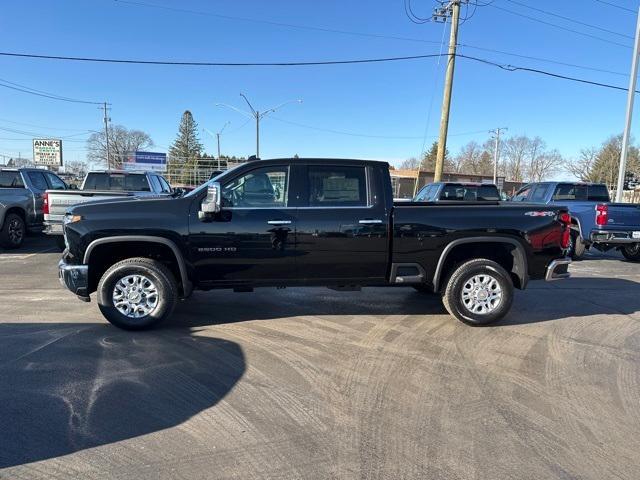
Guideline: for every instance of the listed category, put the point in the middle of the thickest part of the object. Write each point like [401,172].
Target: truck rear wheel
[631,252]
[12,232]
[478,292]
[137,293]
[577,248]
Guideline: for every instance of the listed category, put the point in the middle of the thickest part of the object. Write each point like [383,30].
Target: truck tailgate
[624,215]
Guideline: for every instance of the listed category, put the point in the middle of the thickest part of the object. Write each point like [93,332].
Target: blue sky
[384,99]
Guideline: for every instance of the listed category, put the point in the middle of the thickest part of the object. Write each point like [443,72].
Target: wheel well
[105,255]
[504,254]
[18,211]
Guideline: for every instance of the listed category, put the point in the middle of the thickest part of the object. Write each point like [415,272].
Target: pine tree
[187,147]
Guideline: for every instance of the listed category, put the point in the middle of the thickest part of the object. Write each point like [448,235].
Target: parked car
[596,222]
[21,202]
[100,185]
[458,191]
[306,222]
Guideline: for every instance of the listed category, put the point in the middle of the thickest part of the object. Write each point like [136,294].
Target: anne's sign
[47,151]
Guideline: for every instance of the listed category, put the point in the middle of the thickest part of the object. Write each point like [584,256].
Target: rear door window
[342,186]
[598,193]
[569,191]
[155,183]
[539,194]
[9,179]
[136,183]
[97,181]
[488,192]
[38,180]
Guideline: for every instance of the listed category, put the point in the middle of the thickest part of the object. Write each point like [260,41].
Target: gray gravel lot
[312,383]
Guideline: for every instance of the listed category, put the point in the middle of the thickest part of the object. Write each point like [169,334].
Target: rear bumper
[614,236]
[53,225]
[558,269]
[75,278]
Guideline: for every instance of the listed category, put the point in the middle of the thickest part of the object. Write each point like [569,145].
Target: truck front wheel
[137,293]
[478,292]
[631,252]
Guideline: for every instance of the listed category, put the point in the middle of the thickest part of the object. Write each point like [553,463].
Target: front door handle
[370,221]
[279,222]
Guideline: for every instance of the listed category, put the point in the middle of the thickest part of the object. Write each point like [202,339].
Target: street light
[257,115]
[217,135]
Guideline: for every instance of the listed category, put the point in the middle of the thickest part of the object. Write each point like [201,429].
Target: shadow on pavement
[68,387]
[34,243]
[597,296]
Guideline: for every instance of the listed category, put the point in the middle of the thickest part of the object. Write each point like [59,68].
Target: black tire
[631,252]
[153,271]
[12,232]
[423,289]
[577,248]
[59,239]
[462,276]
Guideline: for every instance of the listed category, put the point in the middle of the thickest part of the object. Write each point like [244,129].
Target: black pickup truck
[307,222]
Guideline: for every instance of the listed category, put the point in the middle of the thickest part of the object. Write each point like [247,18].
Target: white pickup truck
[97,186]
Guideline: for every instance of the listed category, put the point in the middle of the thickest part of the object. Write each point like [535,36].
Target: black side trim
[186,283]
[520,267]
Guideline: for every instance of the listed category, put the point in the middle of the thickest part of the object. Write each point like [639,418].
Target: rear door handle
[369,221]
[279,222]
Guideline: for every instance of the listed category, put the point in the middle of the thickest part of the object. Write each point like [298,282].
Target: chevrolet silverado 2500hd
[307,222]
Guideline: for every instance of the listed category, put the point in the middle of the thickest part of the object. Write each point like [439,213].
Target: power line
[40,126]
[412,16]
[40,93]
[269,22]
[508,67]
[616,6]
[544,22]
[569,19]
[214,64]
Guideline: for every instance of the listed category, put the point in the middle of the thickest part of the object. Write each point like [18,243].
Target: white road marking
[14,256]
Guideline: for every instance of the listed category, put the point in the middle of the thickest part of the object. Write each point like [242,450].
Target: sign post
[47,152]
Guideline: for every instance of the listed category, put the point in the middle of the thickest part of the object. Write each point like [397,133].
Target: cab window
[522,194]
[337,186]
[55,183]
[265,187]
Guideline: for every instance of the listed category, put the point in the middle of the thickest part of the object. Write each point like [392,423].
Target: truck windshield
[581,192]
[470,193]
[131,182]
[9,179]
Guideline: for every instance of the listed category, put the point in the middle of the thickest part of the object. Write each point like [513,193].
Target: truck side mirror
[211,203]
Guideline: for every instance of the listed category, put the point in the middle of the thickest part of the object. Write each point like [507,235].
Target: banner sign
[147,161]
[47,151]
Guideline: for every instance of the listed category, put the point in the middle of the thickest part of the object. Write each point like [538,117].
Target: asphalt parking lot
[298,383]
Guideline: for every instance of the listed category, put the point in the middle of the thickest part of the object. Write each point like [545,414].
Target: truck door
[342,227]
[252,240]
[39,185]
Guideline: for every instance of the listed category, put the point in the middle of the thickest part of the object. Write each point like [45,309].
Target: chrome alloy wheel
[481,294]
[135,296]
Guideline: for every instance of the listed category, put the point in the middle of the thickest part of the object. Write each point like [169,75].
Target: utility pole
[496,154]
[627,128]
[452,8]
[256,115]
[106,132]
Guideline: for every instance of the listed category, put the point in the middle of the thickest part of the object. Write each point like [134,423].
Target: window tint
[38,180]
[470,193]
[540,193]
[97,181]
[337,186]
[488,192]
[54,182]
[9,179]
[568,192]
[522,194]
[260,188]
[164,184]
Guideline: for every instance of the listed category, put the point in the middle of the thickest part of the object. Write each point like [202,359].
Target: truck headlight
[68,218]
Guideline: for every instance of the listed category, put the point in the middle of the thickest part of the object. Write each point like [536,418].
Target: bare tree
[76,167]
[544,165]
[410,164]
[582,167]
[121,143]
[515,153]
